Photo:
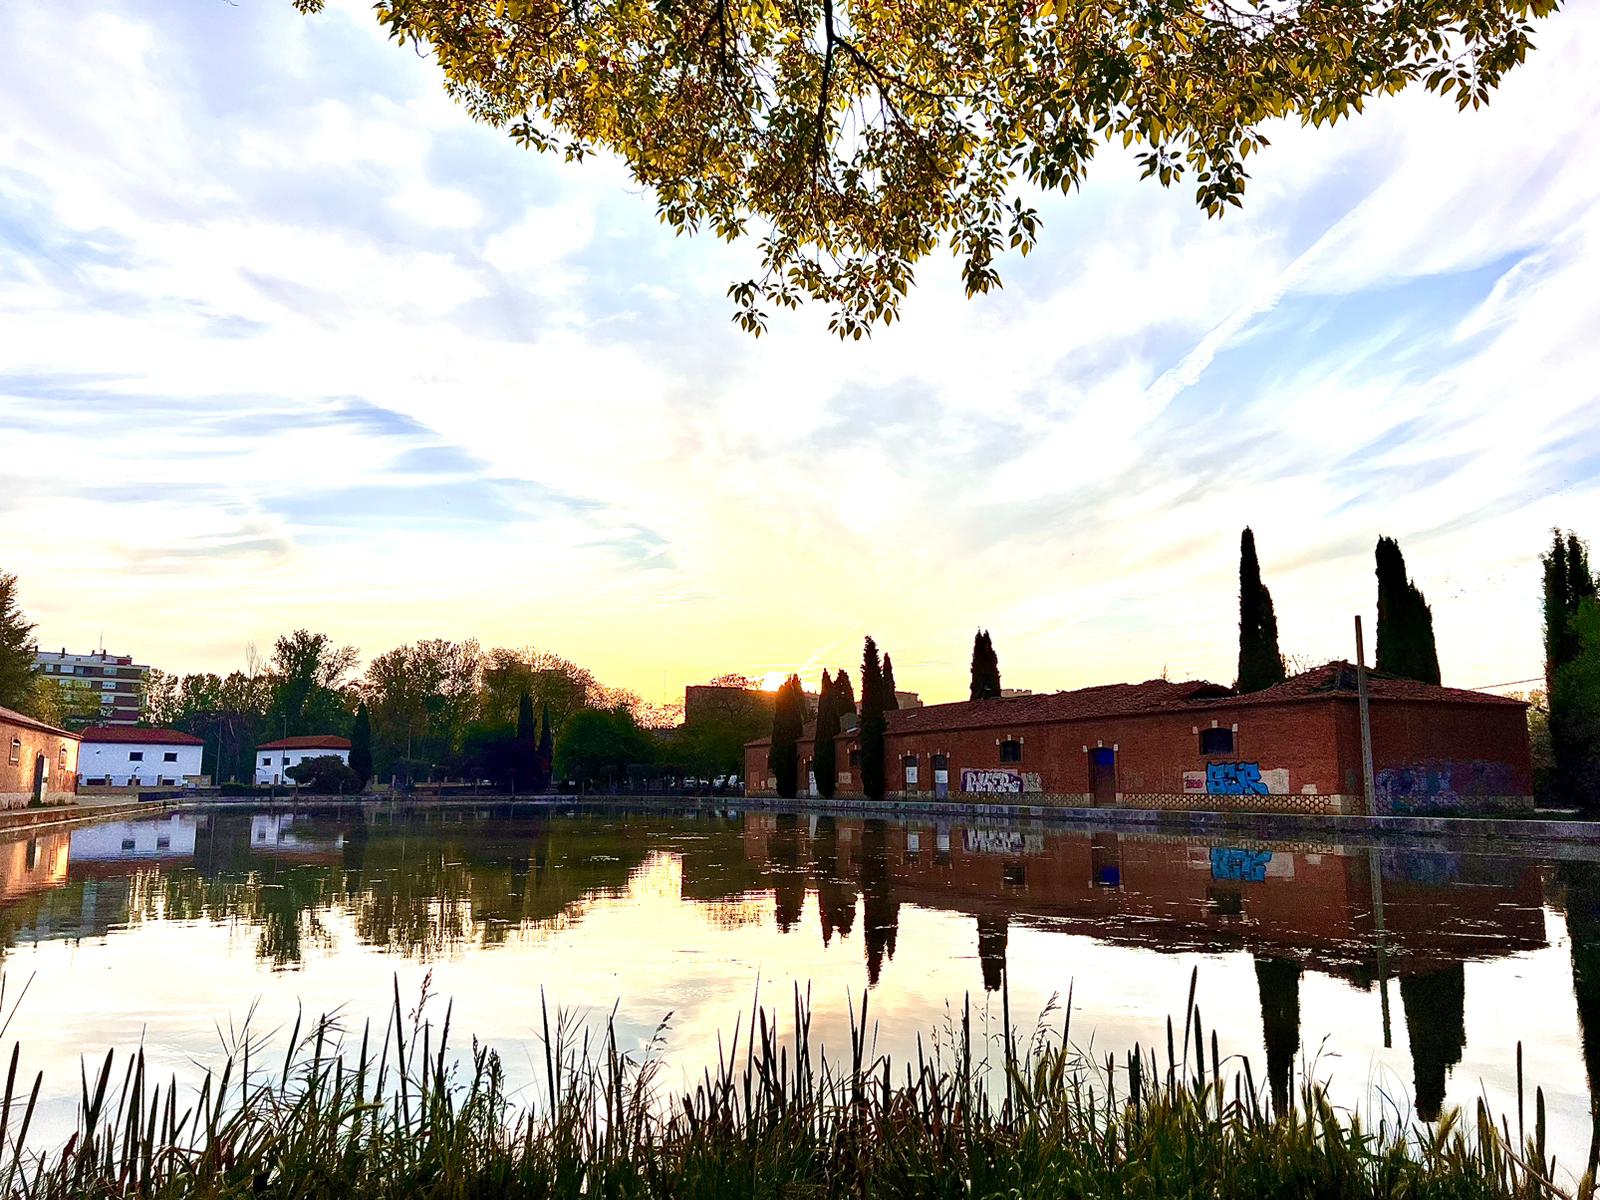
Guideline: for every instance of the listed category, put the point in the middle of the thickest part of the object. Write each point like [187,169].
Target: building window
[135,755]
[163,843]
[266,761]
[127,843]
[855,756]
[16,750]
[941,762]
[1010,751]
[170,756]
[1216,741]
[61,758]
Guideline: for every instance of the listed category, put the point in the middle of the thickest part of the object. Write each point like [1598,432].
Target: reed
[386,1114]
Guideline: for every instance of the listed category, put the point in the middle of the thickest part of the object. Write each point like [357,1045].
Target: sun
[773,680]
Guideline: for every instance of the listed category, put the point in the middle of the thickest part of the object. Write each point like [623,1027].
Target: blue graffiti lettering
[1235,779]
[1247,866]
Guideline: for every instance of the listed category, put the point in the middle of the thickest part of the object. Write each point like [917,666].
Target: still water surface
[1405,976]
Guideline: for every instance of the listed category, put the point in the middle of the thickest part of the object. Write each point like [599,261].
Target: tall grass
[386,1115]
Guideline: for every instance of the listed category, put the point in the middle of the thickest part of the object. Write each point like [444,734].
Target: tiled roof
[1335,679]
[313,741]
[10,716]
[1339,679]
[132,735]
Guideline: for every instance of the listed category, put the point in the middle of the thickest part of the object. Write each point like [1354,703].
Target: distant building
[38,762]
[1294,747]
[113,682]
[273,759]
[118,756]
[1007,693]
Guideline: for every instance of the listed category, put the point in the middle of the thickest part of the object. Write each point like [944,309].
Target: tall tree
[1405,622]
[309,675]
[844,694]
[891,699]
[788,722]
[1572,671]
[17,649]
[985,667]
[546,752]
[1557,609]
[361,745]
[873,727]
[852,138]
[1260,663]
[825,755]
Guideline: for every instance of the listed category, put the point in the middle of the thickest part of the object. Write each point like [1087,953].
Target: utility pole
[1374,868]
[1369,787]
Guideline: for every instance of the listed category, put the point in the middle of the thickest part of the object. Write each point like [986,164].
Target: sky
[286,340]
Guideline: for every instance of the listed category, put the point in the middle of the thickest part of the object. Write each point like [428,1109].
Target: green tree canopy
[855,137]
[873,726]
[309,676]
[788,722]
[1260,663]
[1572,670]
[16,649]
[361,746]
[825,756]
[985,667]
[599,745]
[1405,622]
[326,774]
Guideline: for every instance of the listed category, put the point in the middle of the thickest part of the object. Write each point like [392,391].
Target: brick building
[1295,747]
[38,762]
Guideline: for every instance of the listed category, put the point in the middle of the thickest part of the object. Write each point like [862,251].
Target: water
[1404,975]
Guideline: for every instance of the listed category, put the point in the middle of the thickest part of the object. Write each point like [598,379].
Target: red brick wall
[1425,753]
[16,779]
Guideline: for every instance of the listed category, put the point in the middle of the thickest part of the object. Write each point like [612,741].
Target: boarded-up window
[1216,741]
[1010,751]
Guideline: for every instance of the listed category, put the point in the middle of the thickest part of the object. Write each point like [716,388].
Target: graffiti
[995,781]
[1011,842]
[1442,786]
[1031,782]
[1235,779]
[1247,866]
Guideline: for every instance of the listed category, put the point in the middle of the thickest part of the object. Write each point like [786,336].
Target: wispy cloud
[289,340]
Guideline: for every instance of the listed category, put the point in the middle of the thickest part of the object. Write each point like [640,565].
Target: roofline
[12,717]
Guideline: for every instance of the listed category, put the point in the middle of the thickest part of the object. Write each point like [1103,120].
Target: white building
[118,756]
[113,683]
[273,759]
[109,841]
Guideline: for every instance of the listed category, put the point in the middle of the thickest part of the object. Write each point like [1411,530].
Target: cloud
[289,340]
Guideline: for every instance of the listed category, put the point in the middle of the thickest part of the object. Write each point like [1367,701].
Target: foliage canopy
[855,137]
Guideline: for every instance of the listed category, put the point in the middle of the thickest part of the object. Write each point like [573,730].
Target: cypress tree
[788,718]
[985,667]
[527,731]
[891,702]
[1557,612]
[844,696]
[873,725]
[547,753]
[1405,622]
[1571,672]
[825,757]
[525,752]
[1260,663]
[361,745]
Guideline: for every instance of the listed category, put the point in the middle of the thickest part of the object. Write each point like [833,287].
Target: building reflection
[436,883]
[1375,919]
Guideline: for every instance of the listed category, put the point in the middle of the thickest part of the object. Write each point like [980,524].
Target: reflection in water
[880,911]
[1582,881]
[1435,1004]
[1279,981]
[992,950]
[789,888]
[836,894]
[443,884]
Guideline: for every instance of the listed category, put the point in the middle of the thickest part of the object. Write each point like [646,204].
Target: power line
[1489,687]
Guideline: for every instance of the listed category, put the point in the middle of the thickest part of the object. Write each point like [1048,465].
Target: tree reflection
[836,896]
[1435,1006]
[1583,928]
[789,886]
[992,933]
[880,910]
[1279,982]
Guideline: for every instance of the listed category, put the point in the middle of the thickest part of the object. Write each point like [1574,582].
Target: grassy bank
[382,1114]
